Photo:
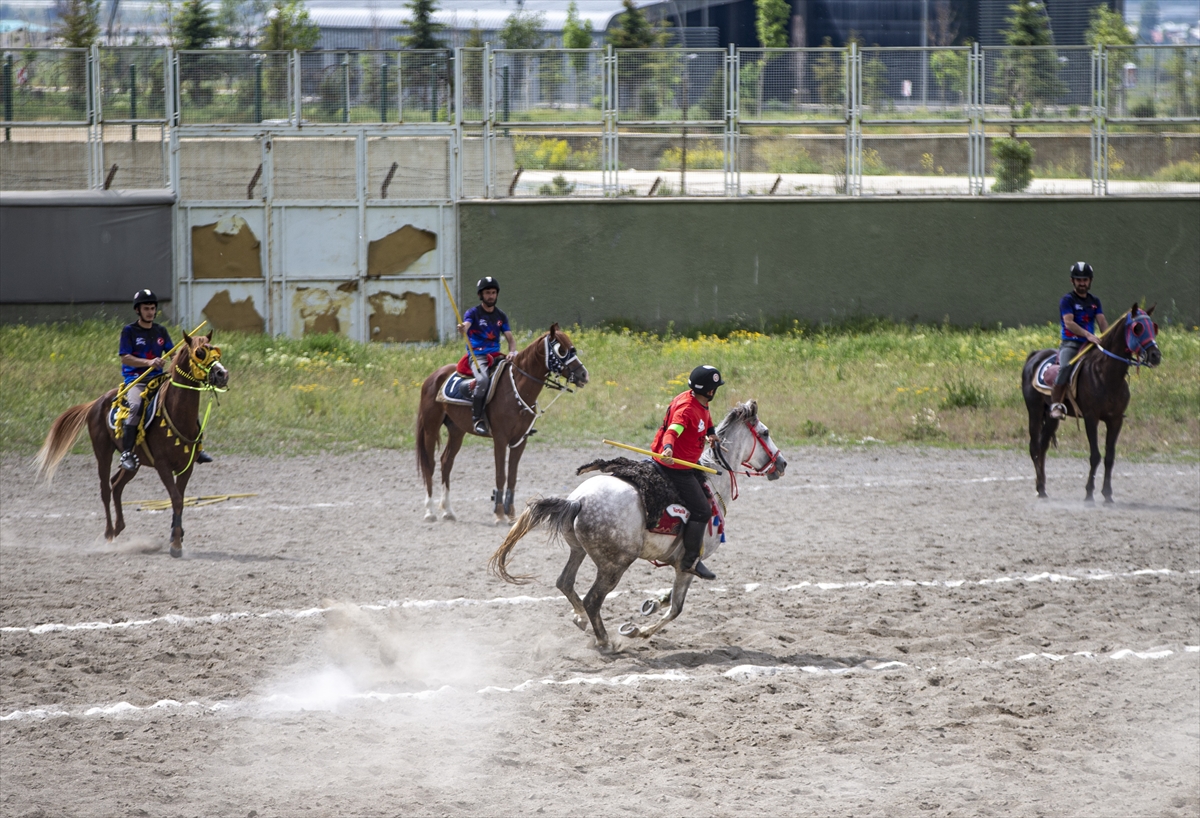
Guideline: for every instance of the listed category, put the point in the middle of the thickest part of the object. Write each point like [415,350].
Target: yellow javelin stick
[659,456]
[458,315]
[138,379]
[1089,344]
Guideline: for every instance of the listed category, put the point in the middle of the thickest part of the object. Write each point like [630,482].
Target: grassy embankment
[886,383]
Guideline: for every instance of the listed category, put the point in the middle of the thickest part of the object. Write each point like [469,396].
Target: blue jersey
[1084,311]
[486,329]
[144,343]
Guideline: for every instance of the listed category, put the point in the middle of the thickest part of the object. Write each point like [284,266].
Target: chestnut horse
[510,414]
[170,440]
[1102,394]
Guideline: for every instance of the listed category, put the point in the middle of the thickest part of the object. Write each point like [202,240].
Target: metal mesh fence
[45,158]
[471,74]
[1157,158]
[377,86]
[551,85]
[561,164]
[812,163]
[915,83]
[670,85]
[133,83]
[1037,82]
[1148,82]
[784,85]
[409,168]
[45,85]
[228,87]
[929,162]
[220,168]
[138,153]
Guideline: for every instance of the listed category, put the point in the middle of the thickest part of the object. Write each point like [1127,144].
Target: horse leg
[566,580]
[500,448]
[1092,427]
[425,464]
[453,444]
[174,490]
[607,577]
[679,590]
[1112,432]
[514,458]
[103,449]
[119,481]
[1039,442]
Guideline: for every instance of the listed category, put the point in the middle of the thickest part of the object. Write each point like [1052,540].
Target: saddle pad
[119,408]
[1047,371]
[457,388]
[676,515]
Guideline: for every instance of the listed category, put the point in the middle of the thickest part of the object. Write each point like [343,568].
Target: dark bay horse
[1102,394]
[604,518]
[170,439]
[511,414]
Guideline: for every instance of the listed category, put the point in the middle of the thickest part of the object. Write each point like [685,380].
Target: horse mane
[742,412]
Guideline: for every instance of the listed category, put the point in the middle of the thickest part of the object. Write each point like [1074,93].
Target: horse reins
[750,470]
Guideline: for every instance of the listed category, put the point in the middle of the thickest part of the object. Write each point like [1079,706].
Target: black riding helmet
[144,297]
[487,283]
[1081,269]
[705,379]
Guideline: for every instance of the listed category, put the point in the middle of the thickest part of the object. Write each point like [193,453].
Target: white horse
[604,519]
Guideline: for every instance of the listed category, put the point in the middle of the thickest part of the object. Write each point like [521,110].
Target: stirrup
[1058,411]
[129,461]
[481,427]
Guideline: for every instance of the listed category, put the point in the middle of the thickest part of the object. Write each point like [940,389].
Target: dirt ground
[893,631]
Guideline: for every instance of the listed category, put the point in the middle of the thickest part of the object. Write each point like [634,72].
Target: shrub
[558,186]
[1187,170]
[702,155]
[1011,167]
[786,156]
[534,153]
[965,394]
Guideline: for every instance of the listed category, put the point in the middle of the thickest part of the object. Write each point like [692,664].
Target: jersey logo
[139,341]
[701,427]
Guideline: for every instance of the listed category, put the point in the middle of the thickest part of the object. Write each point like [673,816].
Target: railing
[613,122]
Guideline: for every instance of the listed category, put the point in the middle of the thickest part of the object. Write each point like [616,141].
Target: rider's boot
[1058,409]
[693,539]
[129,459]
[478,400]
[202,456]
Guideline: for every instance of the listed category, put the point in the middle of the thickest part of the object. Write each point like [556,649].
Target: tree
[422,30]
[1029,25]
[950,71]
[239,20]
[1108,27]
[1029,76]
[577,33]
[772,20]
[829,72]
[288,27]
[523,29]
[195,26]
[78,26]
[634,30]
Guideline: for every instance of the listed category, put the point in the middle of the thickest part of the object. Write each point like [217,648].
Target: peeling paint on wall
[396,252]
[224,313]
[227,248]
[319,310]
[406,317]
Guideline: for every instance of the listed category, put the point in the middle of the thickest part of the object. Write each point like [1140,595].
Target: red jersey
[684,428]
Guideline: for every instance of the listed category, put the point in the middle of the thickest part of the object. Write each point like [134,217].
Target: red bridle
[750,470]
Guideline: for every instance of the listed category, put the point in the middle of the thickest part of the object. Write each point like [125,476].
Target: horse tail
[60,439]
[427,440]
[557,513]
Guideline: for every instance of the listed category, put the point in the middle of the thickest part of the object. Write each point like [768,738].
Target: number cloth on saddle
[659,498]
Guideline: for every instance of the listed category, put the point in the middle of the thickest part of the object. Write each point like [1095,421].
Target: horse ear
[752,408]
[187,339]
[554,329]
[209,336]
[1151,310]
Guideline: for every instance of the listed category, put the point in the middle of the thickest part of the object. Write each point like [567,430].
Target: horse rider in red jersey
[483,325]
[1080,315]
[686,428]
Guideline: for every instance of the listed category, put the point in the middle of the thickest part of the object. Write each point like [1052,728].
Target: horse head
[1140,335]
[562,358]
[200,362]
[746,440]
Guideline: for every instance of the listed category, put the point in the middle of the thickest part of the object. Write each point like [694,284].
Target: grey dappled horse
[604,519]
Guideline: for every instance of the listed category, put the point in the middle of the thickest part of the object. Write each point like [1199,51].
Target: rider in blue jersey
[483,325]
[1080,314]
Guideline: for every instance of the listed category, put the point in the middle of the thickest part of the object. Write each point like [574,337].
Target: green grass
[893,383]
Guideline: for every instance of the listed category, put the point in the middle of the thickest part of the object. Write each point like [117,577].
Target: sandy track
[893,632]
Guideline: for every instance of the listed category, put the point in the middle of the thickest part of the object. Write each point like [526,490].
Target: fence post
[383,92]
[258,89]
[345,88]
[8,95]
[489,116]
[433,99]
[133,100]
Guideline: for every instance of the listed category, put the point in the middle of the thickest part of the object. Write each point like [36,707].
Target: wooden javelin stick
[659,456]
[1090,344]
[458,315]
[138,379]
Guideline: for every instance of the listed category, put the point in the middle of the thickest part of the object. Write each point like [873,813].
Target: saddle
[457,388]
[664,513]
[118,413]
[1047,371]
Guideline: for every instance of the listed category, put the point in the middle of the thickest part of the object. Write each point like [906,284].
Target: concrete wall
[967,260]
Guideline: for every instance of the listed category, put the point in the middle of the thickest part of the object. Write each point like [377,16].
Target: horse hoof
[581,623]
[629,629]
[650,606]
[430,517]
[1043,495]
[177,551]
[448,517]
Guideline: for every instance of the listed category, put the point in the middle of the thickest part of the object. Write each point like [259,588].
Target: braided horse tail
[60,439]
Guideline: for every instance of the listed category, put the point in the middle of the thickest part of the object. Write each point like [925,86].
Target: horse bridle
[556,364]
[199,371]
[749,469]
[1140,331]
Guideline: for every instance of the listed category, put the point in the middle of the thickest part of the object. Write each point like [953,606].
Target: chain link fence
[437,125]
